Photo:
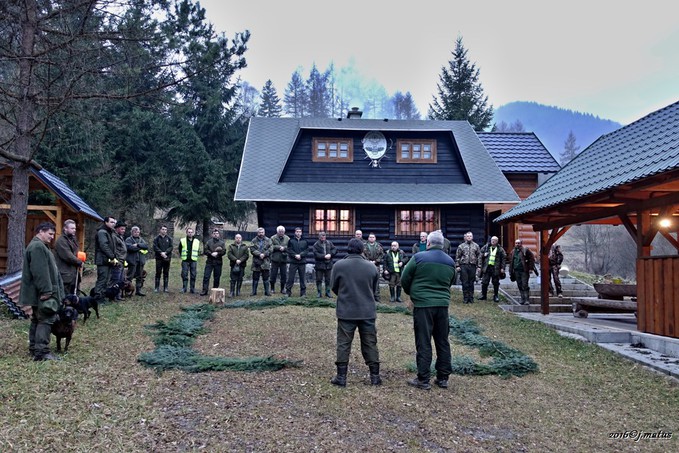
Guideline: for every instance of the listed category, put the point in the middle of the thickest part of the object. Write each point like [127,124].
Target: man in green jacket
[427,278]
[279,258]
[42,290]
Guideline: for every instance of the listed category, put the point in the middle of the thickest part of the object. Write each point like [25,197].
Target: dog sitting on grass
[65,326]
[83,305]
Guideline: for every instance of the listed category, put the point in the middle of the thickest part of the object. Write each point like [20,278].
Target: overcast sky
[618,60]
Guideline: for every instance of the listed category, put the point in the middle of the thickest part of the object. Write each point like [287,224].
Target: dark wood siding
[447,170]
[380,220]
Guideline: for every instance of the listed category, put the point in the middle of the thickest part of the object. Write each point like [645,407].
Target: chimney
[354,113]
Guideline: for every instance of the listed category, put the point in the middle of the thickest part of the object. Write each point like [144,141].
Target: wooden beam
[670,239]
[629,226]
[544,272]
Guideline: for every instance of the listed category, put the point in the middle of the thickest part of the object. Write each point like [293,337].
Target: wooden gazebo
[64,204]
[628,177]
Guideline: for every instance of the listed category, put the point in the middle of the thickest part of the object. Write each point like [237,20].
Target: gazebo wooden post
[544,271]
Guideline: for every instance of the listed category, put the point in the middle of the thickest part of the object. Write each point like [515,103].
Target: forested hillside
[553,124]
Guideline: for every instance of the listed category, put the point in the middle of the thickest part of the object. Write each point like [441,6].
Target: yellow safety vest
[194,249]
[491,259]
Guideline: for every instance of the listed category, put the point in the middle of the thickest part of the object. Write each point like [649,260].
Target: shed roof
[630,155]
[65,193]
[519,152]
[270,141]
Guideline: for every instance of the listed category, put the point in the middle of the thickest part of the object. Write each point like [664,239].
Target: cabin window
[416,151]
[411,222]
[332,150]
[334,221]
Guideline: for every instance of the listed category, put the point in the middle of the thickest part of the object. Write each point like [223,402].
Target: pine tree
[270,107]
[570,149]
[319,94]
[460,94]
[404,107]
[296,97]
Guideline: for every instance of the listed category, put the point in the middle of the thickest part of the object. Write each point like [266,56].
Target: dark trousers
[323,275]
[215,269]
[103,278]
[521,278]
[296,268]
[39,333]
[488,276]
[431,322]
[189,268]
[467,276]
[394,279]
[162,268]
[275,269]
[554,273]
[367,332]
[136,272]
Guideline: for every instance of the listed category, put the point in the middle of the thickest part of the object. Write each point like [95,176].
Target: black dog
[65,326]
[83,305]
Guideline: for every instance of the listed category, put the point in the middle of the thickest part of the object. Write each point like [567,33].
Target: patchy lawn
[99,397]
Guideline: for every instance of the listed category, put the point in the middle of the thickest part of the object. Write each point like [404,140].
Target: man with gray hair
[468,259]
[427,278]
[279,258]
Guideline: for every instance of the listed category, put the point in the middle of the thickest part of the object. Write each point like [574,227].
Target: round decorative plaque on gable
[375,147]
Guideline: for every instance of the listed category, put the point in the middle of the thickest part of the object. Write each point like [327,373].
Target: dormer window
[416,151]
[332,150]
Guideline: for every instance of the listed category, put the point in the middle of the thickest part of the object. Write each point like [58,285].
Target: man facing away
[215,249]
[162,248]
[427,278]
[468,260]
[66,254]
[355,280]
[493,259]
[279,258]
[41,283]
[189,250]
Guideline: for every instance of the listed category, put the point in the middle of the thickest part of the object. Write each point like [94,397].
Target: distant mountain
[552,124]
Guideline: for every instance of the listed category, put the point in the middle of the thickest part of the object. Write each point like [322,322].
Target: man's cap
[120,223]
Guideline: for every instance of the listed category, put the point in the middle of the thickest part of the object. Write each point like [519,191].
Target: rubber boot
[204,291]
[232,286]
[238,285]
[375,378]
[340,378]
[272,288]
[165,290]
[398,294]
[255,283]
[319,290]
[496,290]
[266,288]
[184,283]
[327,292]
[138,291]
[392,294]
[484,292]
[157,285]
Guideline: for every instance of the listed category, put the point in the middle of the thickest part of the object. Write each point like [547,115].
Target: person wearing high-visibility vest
[493,260]
[394,261]
[189,250]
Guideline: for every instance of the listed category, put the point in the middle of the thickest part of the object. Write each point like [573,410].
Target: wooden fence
[658,295]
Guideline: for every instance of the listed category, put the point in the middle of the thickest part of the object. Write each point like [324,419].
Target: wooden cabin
[53,201]
[628,177]
[393,178]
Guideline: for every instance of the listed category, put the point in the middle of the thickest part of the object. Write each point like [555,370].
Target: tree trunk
[16,225]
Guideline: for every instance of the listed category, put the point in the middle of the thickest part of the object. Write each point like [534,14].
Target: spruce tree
[319,94]
[570,149]
[296,98]
[270,107]
[460,94]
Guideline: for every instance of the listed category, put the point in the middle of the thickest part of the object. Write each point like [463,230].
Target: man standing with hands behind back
[468,260]
[162,247]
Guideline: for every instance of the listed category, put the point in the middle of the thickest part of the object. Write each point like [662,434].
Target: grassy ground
[99,397]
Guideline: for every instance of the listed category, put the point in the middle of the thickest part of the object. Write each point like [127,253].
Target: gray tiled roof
[519,152]
[642,149]
[66,194]
[270,141]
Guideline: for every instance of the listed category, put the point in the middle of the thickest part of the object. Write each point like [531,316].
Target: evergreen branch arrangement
[173,340]
[306,302]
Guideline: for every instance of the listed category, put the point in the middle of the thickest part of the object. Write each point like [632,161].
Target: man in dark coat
[162,249]
[260,249]
[238,258]
[493,260]
[42,290]
[324,252]
[373,252]
[214,249]
[394,260]
[555,259]
[355,281]
[468,261]
[427,278]
[137,249]
[521,263]
[104,257]
[298,249]
[118,271]
[66,254]
[279,258]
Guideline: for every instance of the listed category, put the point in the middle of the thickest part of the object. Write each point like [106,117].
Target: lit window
[416,151]
[332,150]
[411,222]
[334,221]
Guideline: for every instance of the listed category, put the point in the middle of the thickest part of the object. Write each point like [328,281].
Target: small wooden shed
[628,177]
[61,203]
